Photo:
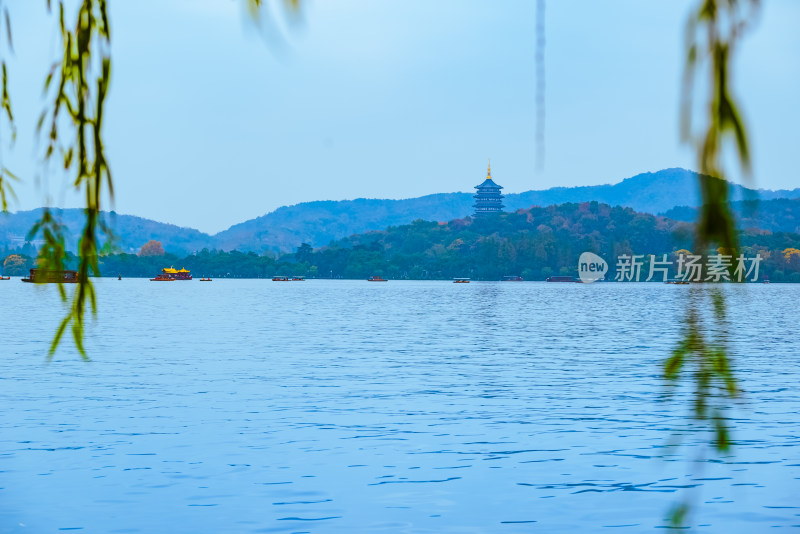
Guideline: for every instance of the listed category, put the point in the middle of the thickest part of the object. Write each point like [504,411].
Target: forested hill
[534,243]
[319,223]
[777,215]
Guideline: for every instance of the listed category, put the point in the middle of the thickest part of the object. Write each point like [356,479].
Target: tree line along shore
[533,243]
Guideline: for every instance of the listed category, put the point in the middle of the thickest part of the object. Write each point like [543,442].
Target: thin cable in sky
[540,85]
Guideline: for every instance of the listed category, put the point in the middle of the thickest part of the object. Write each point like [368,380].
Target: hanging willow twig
[713,30]
[267,23]
[72,123]
[6,176]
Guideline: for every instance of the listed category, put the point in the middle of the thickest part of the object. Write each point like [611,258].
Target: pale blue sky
[207,126]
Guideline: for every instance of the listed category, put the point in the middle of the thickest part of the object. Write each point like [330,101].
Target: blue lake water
[409,407]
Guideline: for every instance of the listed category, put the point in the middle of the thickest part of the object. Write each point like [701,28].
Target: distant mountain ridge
[131,232]
[650,192]
[320,222]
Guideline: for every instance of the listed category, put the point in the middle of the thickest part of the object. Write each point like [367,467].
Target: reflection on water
[343,406]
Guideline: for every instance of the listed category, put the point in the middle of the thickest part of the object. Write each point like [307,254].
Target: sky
[210,122]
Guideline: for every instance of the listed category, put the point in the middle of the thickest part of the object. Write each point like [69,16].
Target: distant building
[488,198]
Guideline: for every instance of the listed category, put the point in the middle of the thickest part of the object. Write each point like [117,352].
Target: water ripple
[335,406]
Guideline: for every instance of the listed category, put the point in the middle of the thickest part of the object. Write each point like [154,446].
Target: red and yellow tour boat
[376,279]
[461,280]
[171,274]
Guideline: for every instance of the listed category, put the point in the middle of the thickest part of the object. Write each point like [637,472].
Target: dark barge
[46,276]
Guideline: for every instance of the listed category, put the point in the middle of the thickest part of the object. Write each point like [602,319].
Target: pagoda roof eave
[488,183]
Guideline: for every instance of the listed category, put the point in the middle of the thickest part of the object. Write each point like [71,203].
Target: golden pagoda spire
[489,172]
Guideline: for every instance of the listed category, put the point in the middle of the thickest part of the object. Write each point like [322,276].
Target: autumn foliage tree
[15,265]
[152,248]
[792,257]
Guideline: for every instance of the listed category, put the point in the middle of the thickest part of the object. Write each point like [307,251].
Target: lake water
[409,407]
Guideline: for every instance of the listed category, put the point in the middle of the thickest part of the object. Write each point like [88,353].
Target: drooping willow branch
[713,31]
[72,125]
[6,176]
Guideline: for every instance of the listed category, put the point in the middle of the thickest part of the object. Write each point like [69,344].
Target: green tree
[304,252]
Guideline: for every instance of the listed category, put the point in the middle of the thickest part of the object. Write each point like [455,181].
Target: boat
[678,281]
[298,279]
[205,280]
[512,278]
[280,278]
[560,279]
[461,280]
[119,277]
[376,279]
[171,274]
[179,274]
[45,276]
[5,278]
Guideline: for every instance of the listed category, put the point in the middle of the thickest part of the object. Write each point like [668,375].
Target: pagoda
[488,199]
